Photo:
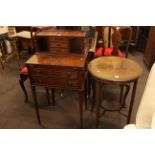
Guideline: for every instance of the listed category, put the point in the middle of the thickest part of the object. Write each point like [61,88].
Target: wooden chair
[8,50]
[110,46]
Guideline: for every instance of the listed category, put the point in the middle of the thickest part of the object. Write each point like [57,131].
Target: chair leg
[21,82]
[16,52]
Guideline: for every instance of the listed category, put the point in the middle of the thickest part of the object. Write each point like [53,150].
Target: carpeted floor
[14,113]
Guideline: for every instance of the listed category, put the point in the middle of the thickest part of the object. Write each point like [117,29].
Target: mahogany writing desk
[58,71]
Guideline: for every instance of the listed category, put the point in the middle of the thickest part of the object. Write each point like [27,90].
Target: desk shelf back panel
[61,42]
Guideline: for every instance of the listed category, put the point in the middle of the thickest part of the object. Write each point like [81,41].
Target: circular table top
[114,68]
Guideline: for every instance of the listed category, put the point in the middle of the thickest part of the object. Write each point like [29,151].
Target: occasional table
[114,70]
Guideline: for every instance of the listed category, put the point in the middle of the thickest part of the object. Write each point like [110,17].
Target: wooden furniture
[113,43]
[114,70]
[58,71]
[61,41]
[124,34]
[92,49]
[134,38]
[35,29]
[149,54]
[111,46]
[22,28]
[24,34]
[142,38]
[24,40]
[8,49]
[60,62]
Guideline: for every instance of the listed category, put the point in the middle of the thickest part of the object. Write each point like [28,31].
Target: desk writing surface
[71,60]
[57,33]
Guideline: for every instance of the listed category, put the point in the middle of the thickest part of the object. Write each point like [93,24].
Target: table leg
[81,108]
[132,100]
[98,102]
[121,94]
[93,94]
[36,103]
[127,87]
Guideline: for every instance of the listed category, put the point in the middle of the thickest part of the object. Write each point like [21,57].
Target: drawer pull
[39,81]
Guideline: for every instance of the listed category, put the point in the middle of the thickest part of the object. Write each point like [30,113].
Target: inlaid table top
[115,69]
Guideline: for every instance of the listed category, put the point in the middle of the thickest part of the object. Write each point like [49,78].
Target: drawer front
[55,82]
[59,44]
[59,50]
[58,39]
[60,73]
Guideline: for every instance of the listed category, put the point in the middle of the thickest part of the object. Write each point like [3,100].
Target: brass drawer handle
[39,81]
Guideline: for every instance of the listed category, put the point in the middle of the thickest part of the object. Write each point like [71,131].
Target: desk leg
[81,108]
[36,103]
[132,100]
[48,96]
[98,102]
[53,96]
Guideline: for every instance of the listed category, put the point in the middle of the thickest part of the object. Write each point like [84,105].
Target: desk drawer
[59,50]
[59,44]
[55,82]
[61,73]
[58,39]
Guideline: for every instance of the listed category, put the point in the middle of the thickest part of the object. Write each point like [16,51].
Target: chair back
[111,36]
